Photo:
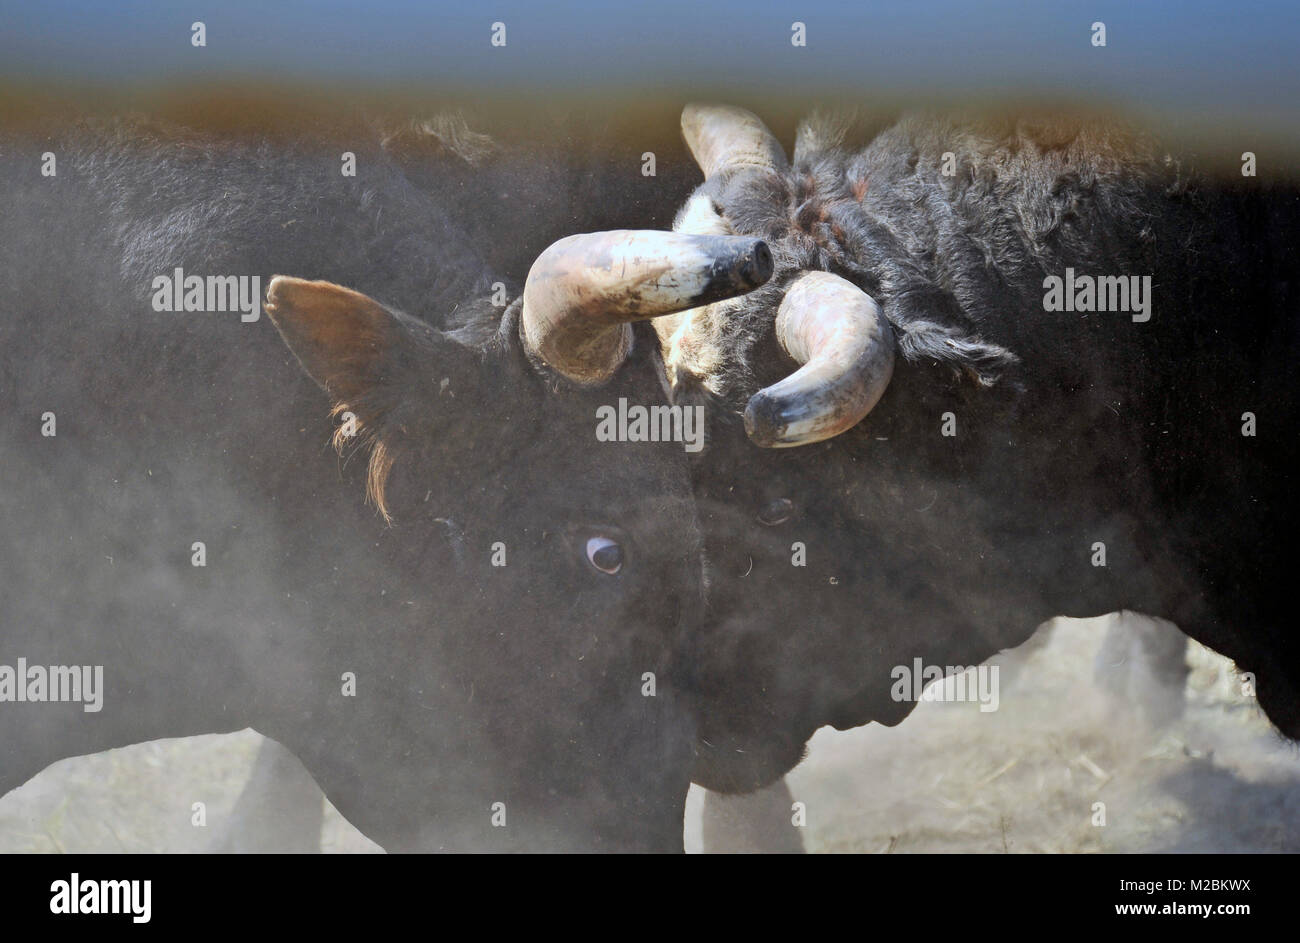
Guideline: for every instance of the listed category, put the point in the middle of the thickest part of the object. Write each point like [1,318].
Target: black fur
[475,684]
[1072,428]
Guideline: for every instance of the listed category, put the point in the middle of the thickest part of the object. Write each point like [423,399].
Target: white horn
[846,348]
[582,291]
[722,137]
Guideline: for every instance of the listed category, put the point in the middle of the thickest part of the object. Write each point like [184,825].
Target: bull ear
[384,367]
[340,336]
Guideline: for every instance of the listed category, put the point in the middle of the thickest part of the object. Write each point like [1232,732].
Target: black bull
[1028,458]
[492,671]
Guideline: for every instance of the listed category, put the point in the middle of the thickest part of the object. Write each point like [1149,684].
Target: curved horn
[836,331]
[722,137]
[583,290]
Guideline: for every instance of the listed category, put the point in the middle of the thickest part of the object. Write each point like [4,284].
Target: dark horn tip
[763,422]
[760,266]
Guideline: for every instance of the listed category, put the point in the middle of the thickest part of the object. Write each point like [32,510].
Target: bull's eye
[605,555]
[776,512]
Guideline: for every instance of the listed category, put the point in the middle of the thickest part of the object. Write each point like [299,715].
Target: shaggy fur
[1070,429]
[946,256]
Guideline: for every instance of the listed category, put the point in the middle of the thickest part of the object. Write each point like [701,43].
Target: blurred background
[1206,67]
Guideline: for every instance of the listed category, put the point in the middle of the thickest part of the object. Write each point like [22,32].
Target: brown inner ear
[338,335]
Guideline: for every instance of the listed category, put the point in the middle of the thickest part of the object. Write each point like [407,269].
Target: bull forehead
[721,347]
[620,476]
[679,334]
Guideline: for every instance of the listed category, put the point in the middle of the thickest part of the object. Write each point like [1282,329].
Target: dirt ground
[1078,724]
[1086,716]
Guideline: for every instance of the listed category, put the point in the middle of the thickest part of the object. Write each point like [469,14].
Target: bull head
[830,327]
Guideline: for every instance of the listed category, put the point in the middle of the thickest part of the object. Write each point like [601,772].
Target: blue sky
[1191,56]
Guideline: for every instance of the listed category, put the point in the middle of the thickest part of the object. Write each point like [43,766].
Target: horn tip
[760,266]
[763,422]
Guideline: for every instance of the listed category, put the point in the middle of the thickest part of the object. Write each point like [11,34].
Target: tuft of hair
[380,455]
[454,133]
[968,354]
